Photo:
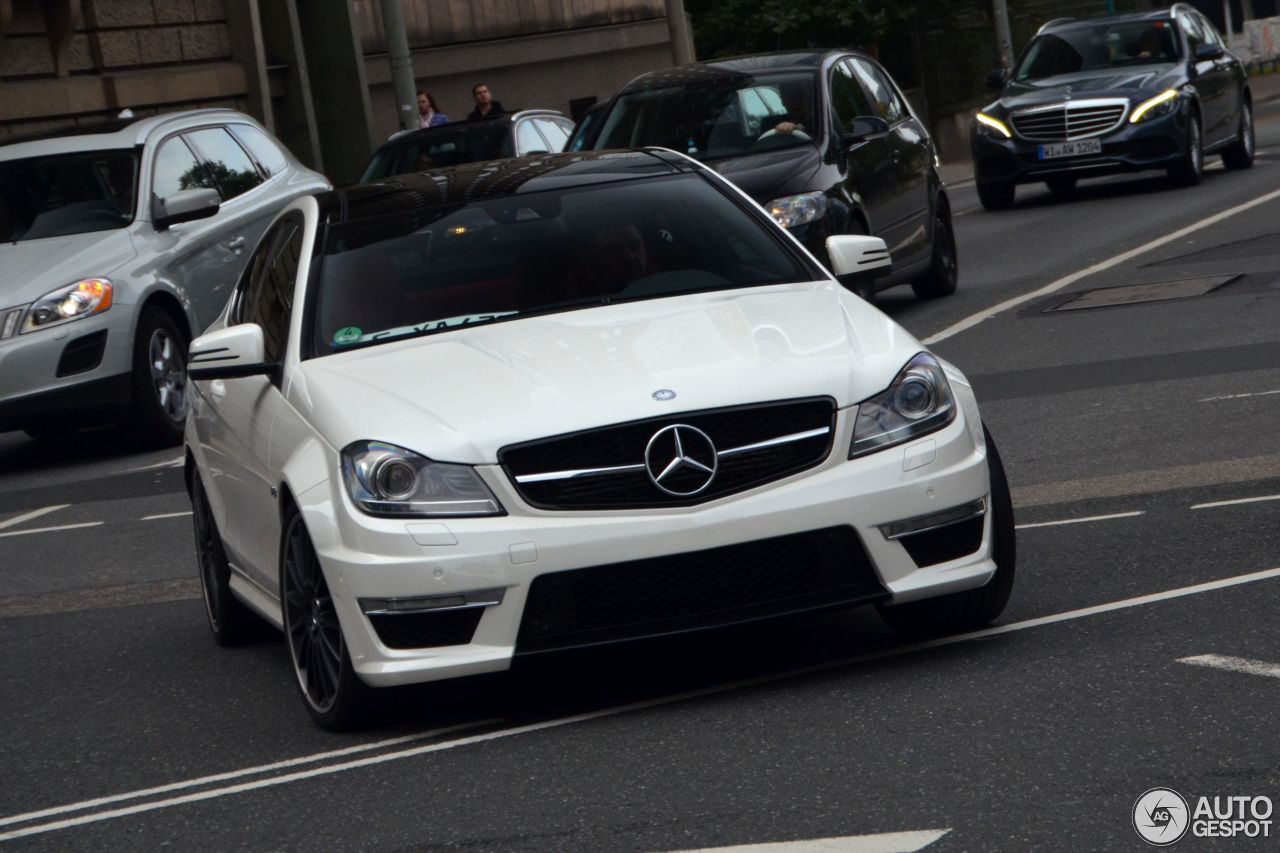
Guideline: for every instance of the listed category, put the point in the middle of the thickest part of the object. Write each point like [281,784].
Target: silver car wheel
[168,375]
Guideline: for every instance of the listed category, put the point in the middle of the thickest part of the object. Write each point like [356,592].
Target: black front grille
[624,445]
[946,543]
[426,630]
[1068,121]
[699,589]
[83,354]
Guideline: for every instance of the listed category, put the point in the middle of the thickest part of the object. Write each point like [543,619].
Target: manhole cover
[1156,291]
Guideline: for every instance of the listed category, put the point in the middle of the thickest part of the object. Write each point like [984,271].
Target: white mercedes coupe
[512,407]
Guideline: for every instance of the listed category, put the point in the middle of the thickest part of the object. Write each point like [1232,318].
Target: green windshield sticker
[346,335]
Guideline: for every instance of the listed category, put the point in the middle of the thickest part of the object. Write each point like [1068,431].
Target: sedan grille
[738,449]
[1069,121]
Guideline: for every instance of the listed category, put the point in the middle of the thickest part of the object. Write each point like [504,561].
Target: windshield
[447,145]
[495,259]
[66,194]
[1099,47]
[719,117]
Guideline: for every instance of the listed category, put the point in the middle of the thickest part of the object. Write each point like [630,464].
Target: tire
[944,266]
[159,411]
[996,195]
[1190,170]
[229,620]
[1062,185]
[334,695]
[1239,154]
[973,608]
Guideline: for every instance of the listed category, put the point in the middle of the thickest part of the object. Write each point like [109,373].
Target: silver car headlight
[73,302]
[1161,105]
[386,480]
[917,403]
[794,210]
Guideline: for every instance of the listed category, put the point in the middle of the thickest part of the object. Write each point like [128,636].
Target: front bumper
[477,573]
[1156,143]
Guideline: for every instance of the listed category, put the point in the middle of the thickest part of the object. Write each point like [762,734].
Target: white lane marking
[884,842]
[1054,286]
[897,651]
[247,771]
[1230,664]
[1080,520]
[166,515]
[1238,396]
[1236,501]
[51,529]
[35,513]
[176,462]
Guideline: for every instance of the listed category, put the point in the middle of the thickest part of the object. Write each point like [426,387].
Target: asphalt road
[1140,440]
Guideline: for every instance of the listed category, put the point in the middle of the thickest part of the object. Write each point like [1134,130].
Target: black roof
[1083,23]
[733,67]
[419,191]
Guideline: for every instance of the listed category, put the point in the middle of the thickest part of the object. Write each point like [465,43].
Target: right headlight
[386,480]
[991,127]
[917,403]
[1162,104]
[793,210]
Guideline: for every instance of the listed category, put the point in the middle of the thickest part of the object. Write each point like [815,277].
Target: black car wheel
[971,609]
[1061,184]
[1190,169]
[333,693]
[996,195]
[1239,154]
[944,267]
[159,410]
[230,621]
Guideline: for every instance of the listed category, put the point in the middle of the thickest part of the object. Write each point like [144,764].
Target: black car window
[494,259]
[229,167]
[67,194]
[267,152]
[528,140]
[1098,46]
[1210,32]
[447,145]
[884,99]
[269,283]
[177,169]
[848,100]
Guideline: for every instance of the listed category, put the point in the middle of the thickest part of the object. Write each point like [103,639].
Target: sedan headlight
[386,480]
[991,127]
[82,299]
[917,403]
[1161,105]
[794,210]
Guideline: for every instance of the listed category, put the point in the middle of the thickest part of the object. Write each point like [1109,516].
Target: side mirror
[996,79]
[1208,52]
[864,127]
[858,255]
[183,206]
[228,353]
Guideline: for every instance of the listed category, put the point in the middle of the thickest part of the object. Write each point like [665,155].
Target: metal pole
[401,64]
[1003,34]
[678,31]
[1226,14]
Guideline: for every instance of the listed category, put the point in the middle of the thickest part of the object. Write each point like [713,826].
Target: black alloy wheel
[996,195]
[229,620]
[1239,154]
[159,412]
[1061,184]
[973,608]
[944,265]
[331,690]
[1190,170]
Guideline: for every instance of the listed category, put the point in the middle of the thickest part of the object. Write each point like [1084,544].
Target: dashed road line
[1080,520]
[51,529]
[176,462]
[35,513]
[1230,664]
[1236,502]
[165,515]
[1238,396]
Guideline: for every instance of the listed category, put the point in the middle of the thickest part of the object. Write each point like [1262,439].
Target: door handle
[236,244]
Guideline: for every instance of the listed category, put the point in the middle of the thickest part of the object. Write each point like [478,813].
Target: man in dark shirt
[485,104]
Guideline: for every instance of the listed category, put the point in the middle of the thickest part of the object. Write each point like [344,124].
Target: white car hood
[30,269]
[460,396]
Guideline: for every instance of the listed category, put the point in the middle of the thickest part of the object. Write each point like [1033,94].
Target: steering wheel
[797,133]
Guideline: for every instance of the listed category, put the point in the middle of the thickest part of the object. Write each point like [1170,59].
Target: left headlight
[82,299]
[386,480]
[794,210]
[1161,105]
[917,403]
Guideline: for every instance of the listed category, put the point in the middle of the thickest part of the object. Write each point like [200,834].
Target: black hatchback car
[1157,90]
[825,141]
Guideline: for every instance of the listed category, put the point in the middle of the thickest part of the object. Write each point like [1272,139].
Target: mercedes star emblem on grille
[681,460]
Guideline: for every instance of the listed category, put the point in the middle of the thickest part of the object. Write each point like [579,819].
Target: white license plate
[1069,149]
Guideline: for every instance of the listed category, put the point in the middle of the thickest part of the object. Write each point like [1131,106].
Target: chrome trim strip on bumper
[432,603]
[934,520]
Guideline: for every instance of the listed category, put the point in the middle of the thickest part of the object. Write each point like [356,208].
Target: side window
[1191,26]
[847,97]
[556,136]
[1210,32]
[883,97]
[176,169]
[262,147]
[527,138]
[269,281]
[227,163]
